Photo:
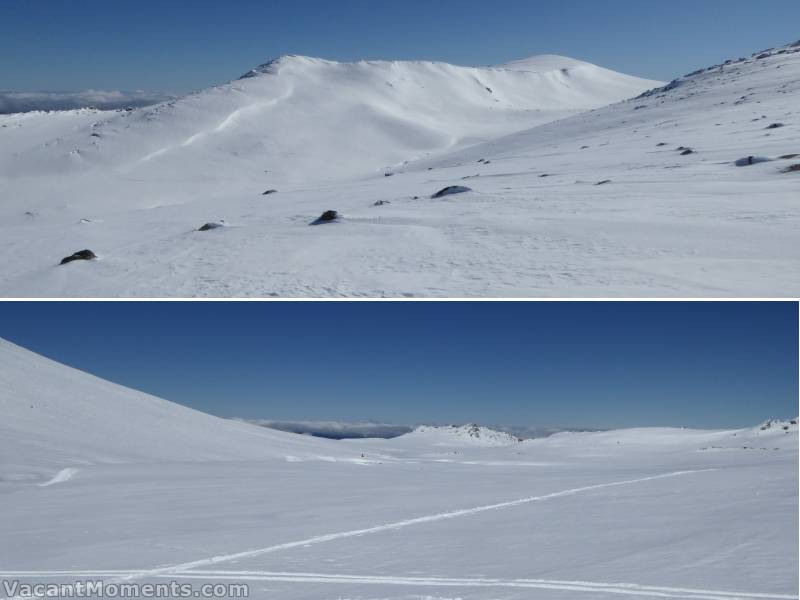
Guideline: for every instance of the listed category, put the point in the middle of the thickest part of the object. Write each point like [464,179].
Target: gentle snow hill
[770,436]
[54,417]
[305,119]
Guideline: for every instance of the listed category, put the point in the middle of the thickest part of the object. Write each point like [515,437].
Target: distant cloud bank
[15,102]
[339,430]
[336,430]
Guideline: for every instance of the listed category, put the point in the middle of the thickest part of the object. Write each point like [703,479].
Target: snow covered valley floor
[101,482]
[579,187]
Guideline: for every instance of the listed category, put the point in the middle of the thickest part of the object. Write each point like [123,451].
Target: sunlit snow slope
[54,418]
[102,483]
[639,198]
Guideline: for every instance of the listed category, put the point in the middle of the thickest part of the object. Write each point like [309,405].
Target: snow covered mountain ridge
[567,199]
[471,434]
[375,114]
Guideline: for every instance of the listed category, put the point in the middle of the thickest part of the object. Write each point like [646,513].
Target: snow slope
[600,203]
[54,418]
[174,495]
[305,120]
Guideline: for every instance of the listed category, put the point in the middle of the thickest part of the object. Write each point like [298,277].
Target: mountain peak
[542,63]
[273,66]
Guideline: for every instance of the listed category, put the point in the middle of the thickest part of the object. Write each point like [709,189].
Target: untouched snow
[57,420]
[175,495]
[571,197]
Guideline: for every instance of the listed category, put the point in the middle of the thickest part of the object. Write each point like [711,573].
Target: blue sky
[533,363]
[181,45]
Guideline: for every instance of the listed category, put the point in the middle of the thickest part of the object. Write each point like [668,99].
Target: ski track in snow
[630,589]
[184,569]
[394,526]
[60,477]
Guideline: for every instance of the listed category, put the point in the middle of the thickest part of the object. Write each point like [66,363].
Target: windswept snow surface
[175,495]
[133,186]
[572,195]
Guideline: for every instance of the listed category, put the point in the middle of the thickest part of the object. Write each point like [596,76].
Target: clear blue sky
[532,363]
[181,45]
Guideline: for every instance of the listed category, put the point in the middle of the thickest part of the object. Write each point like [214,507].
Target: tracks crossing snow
[628,589]
[321,539]
[193,569]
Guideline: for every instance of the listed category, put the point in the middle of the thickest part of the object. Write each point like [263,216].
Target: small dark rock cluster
[80,255]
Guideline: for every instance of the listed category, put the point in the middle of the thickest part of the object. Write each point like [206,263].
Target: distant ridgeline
[336,430]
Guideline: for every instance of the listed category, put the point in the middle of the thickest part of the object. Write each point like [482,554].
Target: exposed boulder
[214,225]
[269,192]
[329,216]
[80,255]
[775,126]
[450,190]
[687,152]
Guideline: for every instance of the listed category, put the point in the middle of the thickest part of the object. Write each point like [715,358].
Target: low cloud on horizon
[341,430]
[17,102]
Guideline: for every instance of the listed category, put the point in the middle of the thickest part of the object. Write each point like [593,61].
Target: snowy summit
[581,182]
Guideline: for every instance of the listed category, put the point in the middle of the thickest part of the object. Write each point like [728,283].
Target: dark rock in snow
[750,160]
[687,152]
[788,156]
[269,192]
[450,190]
[80,255]
[605,181]
[775,126]
[388,174]
[328,216]
[661,144]
[791,169]
[381,203]
[210,226]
